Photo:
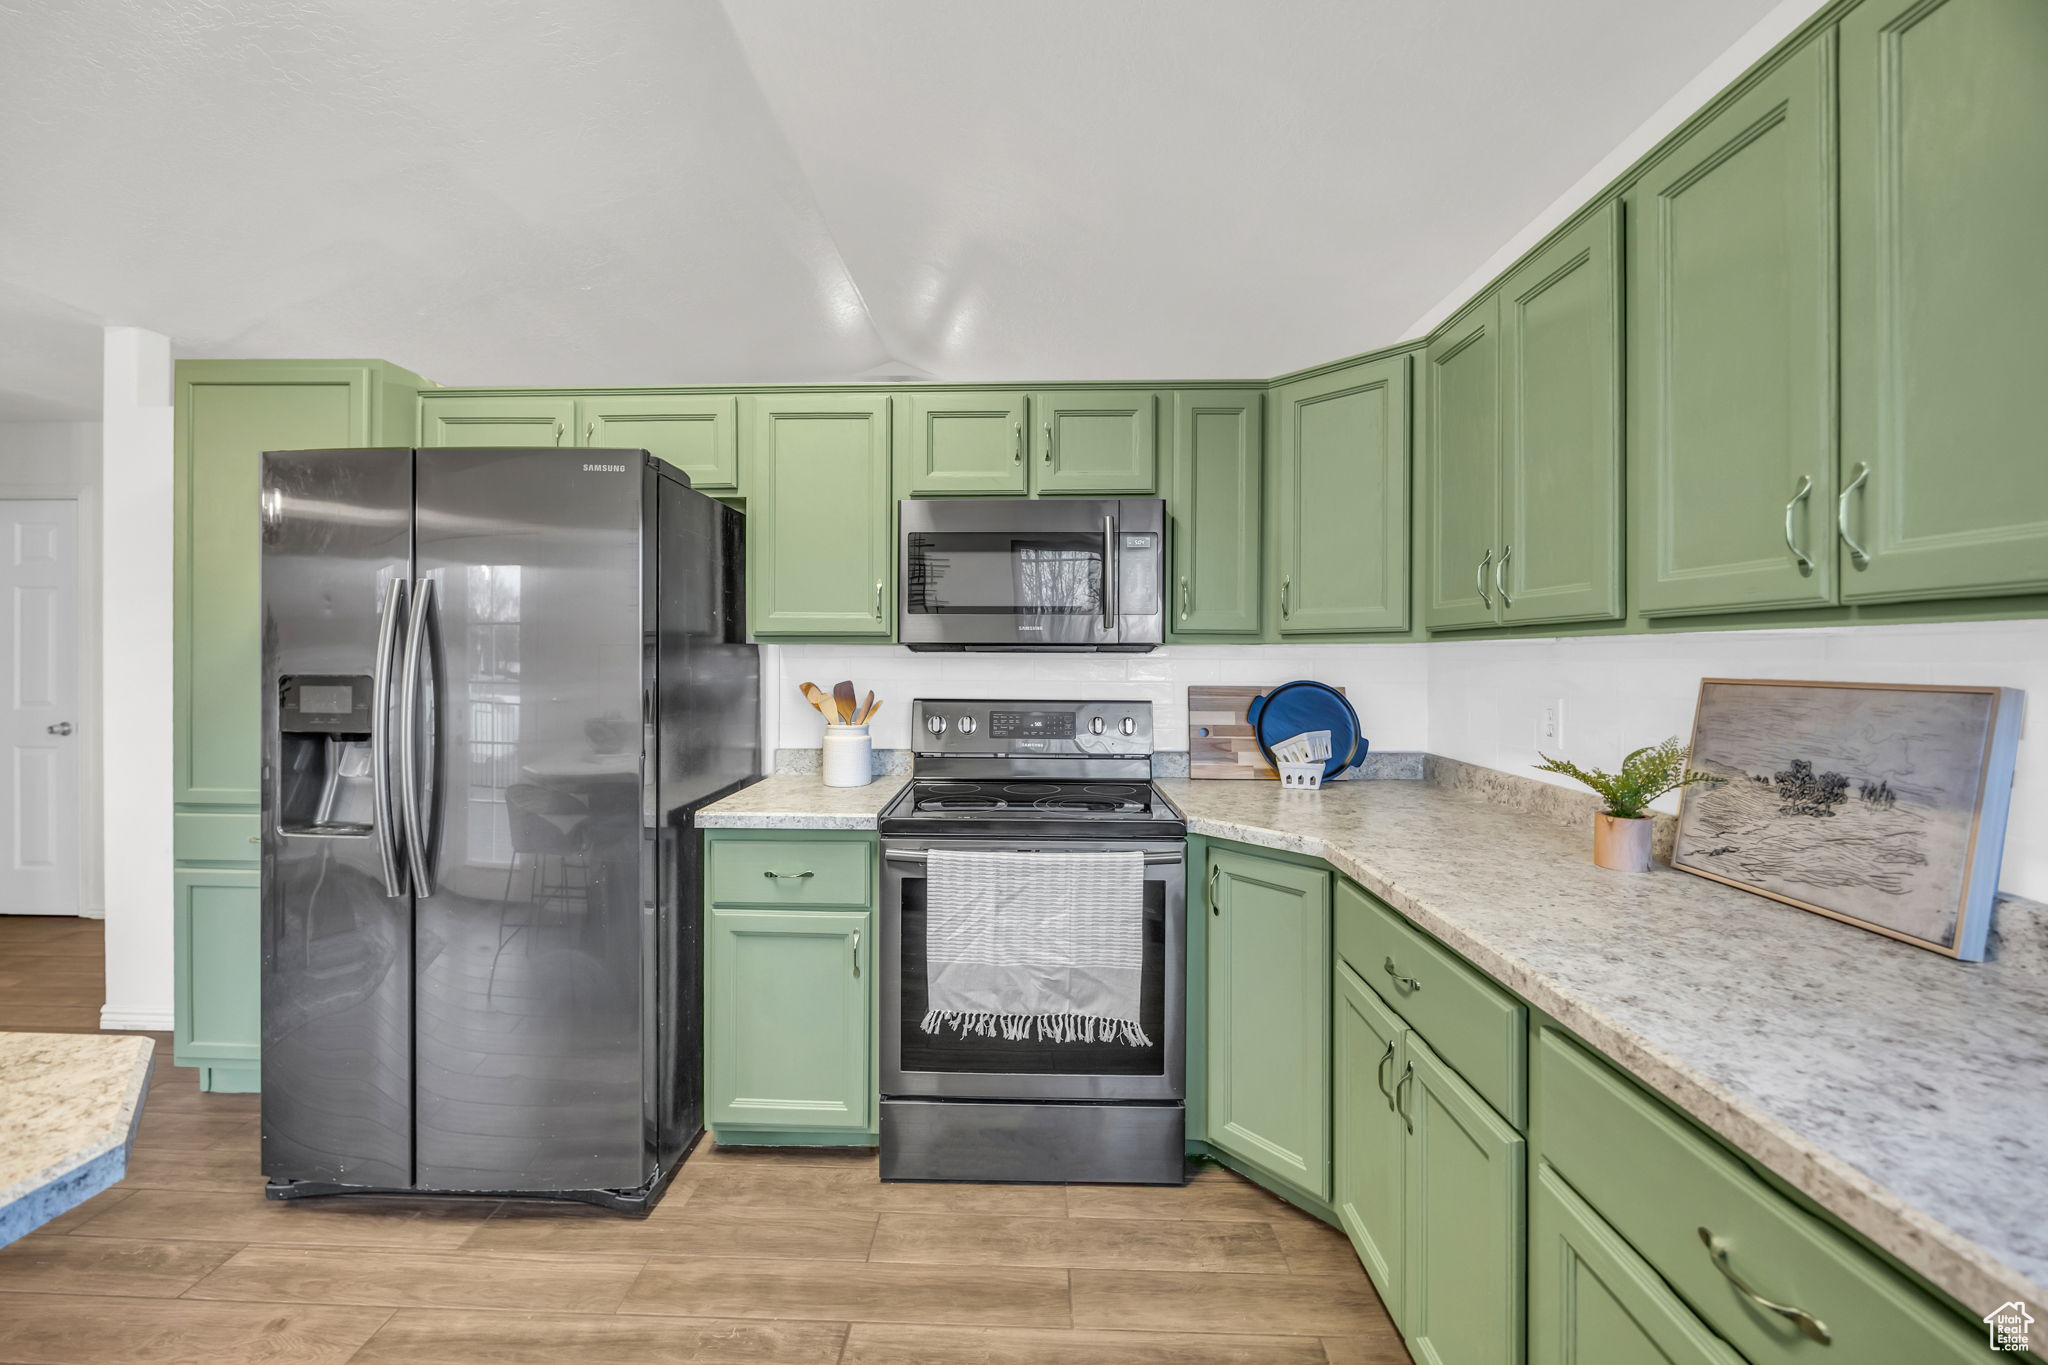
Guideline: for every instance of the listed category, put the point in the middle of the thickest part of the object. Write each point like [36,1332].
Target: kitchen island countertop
[1904,1092]
[68,1107]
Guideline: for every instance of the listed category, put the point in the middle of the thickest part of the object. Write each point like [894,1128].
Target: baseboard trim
[136,1021]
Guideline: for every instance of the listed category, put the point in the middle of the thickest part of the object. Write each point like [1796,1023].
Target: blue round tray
[1298,707]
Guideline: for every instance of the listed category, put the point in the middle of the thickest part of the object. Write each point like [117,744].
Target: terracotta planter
[1623,845]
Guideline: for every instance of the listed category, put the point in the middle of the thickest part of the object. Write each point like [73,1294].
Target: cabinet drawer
[795,872]
[1657,1182]
[1471,1023]
[217,838]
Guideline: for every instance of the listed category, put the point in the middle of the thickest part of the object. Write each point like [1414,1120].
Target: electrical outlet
[1550,726]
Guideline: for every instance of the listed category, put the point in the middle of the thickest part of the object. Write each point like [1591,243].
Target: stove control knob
[1096,726]
[966,725]
[1129,725]
[935,724]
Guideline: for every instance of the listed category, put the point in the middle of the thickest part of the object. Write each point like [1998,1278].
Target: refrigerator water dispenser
[325,786]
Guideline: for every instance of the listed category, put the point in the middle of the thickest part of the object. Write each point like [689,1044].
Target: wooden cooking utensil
[815,695]
[866,709]
[842,697]
[870,713]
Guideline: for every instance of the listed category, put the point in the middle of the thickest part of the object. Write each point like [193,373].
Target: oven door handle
[904,855]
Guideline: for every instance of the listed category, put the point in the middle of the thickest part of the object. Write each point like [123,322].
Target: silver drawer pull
[792,876]
[1811,1327]
[1406,983]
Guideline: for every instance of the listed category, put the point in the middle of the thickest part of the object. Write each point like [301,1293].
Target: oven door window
[948,1052]
[1043,578]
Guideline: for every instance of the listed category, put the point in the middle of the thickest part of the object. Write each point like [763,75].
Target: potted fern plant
[1621,828]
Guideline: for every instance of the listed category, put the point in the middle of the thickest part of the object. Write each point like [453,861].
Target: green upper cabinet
[787,1033]
[697,433]
[820,526]
[1218,468]
[1944,298]
[1463,493]
[1269,1016]
[518,420]
[1367,1176]
[962,442]
[1096,441]
[1462,1301]
[1731,343]
[1340,500]
[1560,552]
[227,414]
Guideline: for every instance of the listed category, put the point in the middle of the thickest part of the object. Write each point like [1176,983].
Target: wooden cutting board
[1220,740]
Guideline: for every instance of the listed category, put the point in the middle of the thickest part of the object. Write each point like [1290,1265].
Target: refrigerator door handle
[380,742]
[417,848]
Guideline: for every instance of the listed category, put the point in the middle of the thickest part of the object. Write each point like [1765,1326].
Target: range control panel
[1121,729]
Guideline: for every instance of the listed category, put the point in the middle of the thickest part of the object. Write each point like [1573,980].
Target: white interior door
[38,712]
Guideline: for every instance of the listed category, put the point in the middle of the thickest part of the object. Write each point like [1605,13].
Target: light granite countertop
[68,1106]
[802,801]
[1904,1092]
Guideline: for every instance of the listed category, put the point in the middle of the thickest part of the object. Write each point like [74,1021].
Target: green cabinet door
[1560,552]
[1367,1179]
[217,945]
[1214,503]
[1095,441]
[1339,512]
[1463,493]
[1464,1291]
[1944,296]
[787,1038]
[962,442]
[1269,1016]
[1731,351]
[1593,1301]
[697,433]
[522,420]
[820,539]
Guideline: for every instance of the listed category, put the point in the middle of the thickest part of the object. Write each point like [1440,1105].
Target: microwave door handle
[395,881]
[1109,605]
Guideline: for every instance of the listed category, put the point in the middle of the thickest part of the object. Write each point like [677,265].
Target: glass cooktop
[1068,808]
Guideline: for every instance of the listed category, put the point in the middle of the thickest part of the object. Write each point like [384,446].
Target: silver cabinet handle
[1048,444]
[1286,583]
[1183,597]
[878,599]
[1500,577]
[1401,1096]
[416,846]
[789,876]
[856,952]
[1479,579]
[1810,1327]
[1856,552]
[62,727]
[380,738]
[589,432]
[1215,904]
[1017,437]
[559,429]
[1799,495]
[1109,574]
[1406,983]
[1381,1075]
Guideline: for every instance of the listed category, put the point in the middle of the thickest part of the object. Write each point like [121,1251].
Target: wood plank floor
[754,1258]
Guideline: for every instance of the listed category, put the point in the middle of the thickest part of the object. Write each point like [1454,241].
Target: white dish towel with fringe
[1045,946]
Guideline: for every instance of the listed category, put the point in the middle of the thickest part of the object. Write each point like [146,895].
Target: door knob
[62,727]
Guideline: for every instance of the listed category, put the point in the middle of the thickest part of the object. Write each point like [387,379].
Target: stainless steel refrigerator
[496,686]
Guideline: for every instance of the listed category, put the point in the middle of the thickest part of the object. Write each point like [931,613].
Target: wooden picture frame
[1886,808]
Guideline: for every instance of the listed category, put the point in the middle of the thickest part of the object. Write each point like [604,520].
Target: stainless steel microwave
[1032,573]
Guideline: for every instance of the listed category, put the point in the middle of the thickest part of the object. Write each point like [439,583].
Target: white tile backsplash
[1476,700]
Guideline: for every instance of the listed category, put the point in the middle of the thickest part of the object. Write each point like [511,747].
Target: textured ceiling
[683,191]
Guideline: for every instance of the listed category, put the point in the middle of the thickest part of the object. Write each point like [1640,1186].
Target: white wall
[62,460]
[135,592]
[1620,692]
[1387,683]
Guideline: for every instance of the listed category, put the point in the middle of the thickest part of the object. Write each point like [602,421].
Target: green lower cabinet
[1593,1301]
[518,420]
[789,1045]
[1462,1300]
[217,941]
[1366,1177]
[697,433]
[1269,1016]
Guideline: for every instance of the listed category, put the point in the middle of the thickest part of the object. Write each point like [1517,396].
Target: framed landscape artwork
[1877,803]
